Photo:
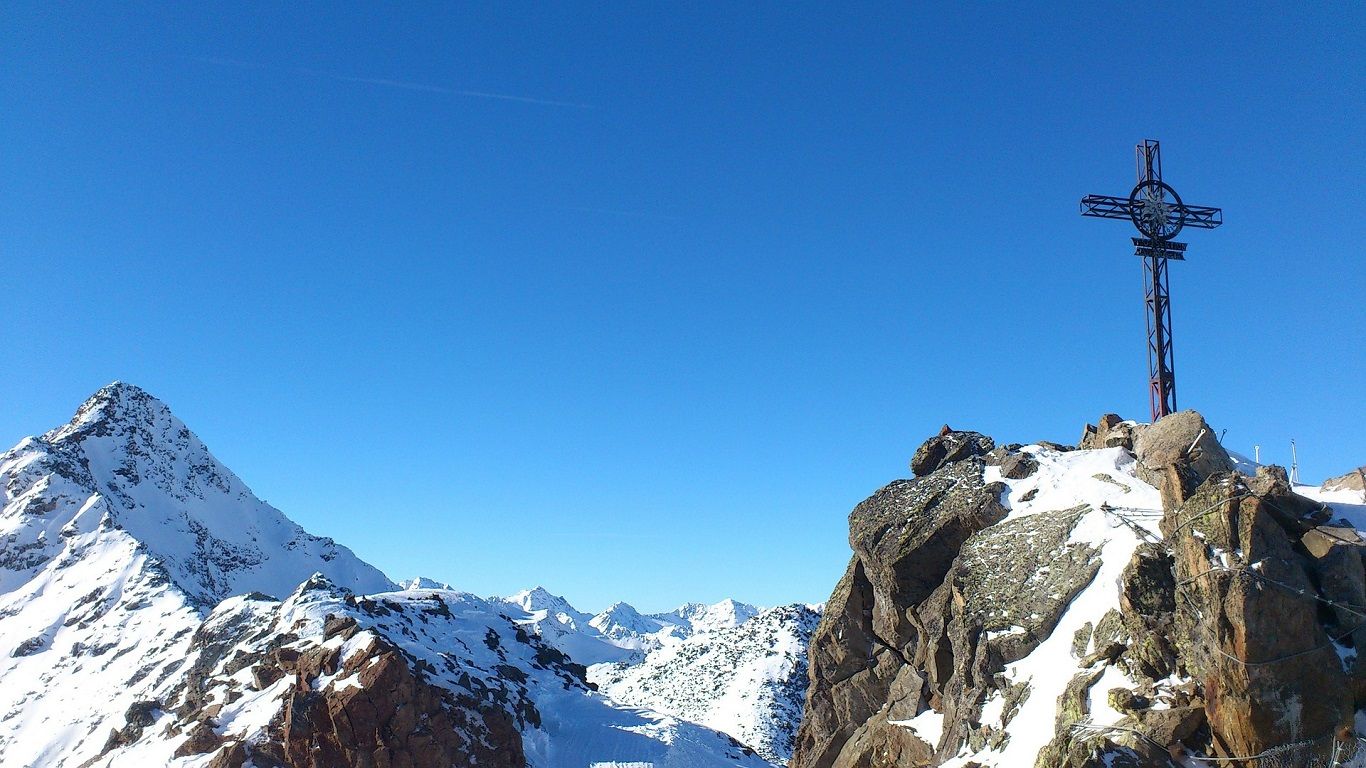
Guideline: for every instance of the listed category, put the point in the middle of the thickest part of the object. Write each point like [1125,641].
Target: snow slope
[1121,512]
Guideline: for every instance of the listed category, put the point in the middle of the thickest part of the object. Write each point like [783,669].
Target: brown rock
[1177,453]
[233,755]
[905,538]
[1110,431]
[392,718]
[201,739]
[1352,481]
[1168,726]
[1018,466]
[1253,636]
[879,744]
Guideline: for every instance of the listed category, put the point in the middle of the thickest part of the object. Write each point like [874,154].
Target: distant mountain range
[729,665]
[153,611]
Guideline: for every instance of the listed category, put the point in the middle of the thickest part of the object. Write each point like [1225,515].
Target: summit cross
[1159,214]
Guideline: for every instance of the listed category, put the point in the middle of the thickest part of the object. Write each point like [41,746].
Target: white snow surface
[122,537]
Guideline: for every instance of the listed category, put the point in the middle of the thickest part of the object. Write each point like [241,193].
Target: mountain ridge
[218,632]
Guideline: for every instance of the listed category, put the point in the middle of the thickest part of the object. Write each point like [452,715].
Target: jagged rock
[907,534]
[1110,431]
[233,755]
[391,712]
[1167,726]
[905,538]
[1018,466]
[947,447]
[140,715]
[1352,481]
[1248,624]
[1147,600]
[1177,453]
[880,744]
[1074,706]
[1003,596]
[200,740]
[850,672]
[1216,636]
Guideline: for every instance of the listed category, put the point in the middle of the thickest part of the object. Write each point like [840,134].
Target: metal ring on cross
[1156,210]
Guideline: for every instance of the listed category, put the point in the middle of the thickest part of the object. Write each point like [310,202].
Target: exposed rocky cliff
[1132,602]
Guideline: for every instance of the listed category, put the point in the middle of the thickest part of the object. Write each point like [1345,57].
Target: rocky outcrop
[906,538]
[948,447]
[1352,481]
[1229,625]
[390,711]
[1177,453]
[1109,431]
[1251,620]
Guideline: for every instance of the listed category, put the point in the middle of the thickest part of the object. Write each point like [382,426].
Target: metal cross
[1158,213]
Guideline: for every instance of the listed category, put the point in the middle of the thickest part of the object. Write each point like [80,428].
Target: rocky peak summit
[1137,602]
[117,406]
[124,467]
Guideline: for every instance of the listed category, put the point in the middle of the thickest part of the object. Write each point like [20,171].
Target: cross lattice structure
[1159,214]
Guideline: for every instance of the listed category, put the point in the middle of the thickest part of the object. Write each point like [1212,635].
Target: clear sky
[637,301]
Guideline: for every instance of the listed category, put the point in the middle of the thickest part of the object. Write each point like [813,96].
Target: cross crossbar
[1108,207]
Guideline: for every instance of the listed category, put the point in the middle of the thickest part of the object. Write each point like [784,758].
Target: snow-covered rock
[727,665]
[1151,605]
[747,679]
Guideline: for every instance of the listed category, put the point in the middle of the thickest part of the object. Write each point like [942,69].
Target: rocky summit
[1144,600]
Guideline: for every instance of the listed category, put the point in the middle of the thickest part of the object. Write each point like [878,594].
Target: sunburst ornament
[1156,209]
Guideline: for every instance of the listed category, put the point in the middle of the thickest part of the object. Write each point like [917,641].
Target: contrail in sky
[454,91]
[399,84]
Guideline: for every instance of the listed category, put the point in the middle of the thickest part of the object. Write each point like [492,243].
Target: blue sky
[637,301]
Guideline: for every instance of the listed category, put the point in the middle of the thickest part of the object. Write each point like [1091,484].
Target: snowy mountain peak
[623,615]
[115,405]
[138,627]
[422,582]
[124,467]
[541,599]
[709,618]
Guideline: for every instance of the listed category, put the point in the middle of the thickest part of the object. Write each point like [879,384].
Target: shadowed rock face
[390,712]
[1270,672]
[1239,607]
[906,538]
[350,700]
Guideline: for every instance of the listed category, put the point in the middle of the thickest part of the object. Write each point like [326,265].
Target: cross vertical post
[1158,213]
[1161,360]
